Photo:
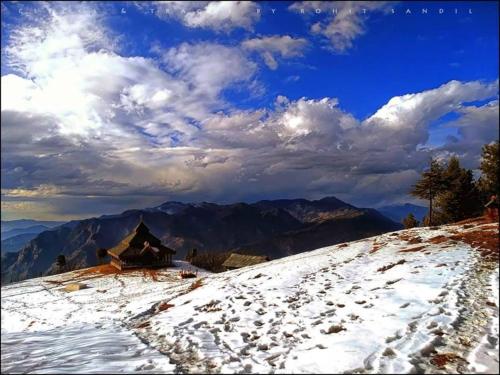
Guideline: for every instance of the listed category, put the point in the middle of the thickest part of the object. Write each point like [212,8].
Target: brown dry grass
[476,220]
[411,239]
[195,285]
[440,360]
[108,269]
[414,240]
[404,236]
[438,239]
[485,241]
[144,324]
[412,249]
[151,273]
[376,246]
[389,266]
[103,269]
[164,306]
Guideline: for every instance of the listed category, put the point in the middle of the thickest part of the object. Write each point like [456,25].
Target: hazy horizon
[190,202]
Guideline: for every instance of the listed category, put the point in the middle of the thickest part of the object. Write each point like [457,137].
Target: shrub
[410,221]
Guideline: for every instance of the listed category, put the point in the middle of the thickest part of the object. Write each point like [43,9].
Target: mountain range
[8,225]
[275,228]
[398,212]
[17,233]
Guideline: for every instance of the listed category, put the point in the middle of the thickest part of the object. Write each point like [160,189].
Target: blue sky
[400,54]
[167,100]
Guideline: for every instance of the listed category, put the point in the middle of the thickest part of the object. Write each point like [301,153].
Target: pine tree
[191,254]
[101,253]
[430,185]
[410,221]
[489,183]
[461,198]
[452,172]
[61,261]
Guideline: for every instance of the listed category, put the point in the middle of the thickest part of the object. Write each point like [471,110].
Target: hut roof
[136,241]
[239,260]
[141,228]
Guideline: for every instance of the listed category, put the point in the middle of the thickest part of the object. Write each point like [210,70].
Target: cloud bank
[87,130]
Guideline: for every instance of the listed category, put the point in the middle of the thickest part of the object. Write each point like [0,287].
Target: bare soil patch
[485,241]
[439,239]
[389,266]
[441,360]
[412,249]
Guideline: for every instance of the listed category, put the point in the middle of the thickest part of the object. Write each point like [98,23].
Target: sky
[108,106]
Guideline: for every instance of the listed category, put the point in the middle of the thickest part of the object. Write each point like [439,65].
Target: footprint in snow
[412,326]
[186,322]
[389,352]
[273,331]
[432,325]
[390,339]
[261,311]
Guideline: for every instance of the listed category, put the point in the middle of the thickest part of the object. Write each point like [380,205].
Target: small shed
[235,261]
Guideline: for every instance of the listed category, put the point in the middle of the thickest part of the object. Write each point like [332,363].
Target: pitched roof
[239,260]
[135,242]
[141,228]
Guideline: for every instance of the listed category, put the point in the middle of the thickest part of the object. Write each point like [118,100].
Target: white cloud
[285,46]
[477,125]
[221,16]
[409,115]
[344,20]
[73,29]
[206,66]
[102,132]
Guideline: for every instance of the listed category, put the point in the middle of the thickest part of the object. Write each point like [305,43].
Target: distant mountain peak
[398,212]
[272,227]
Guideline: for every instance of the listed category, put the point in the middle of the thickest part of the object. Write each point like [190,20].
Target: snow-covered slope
[424,299]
